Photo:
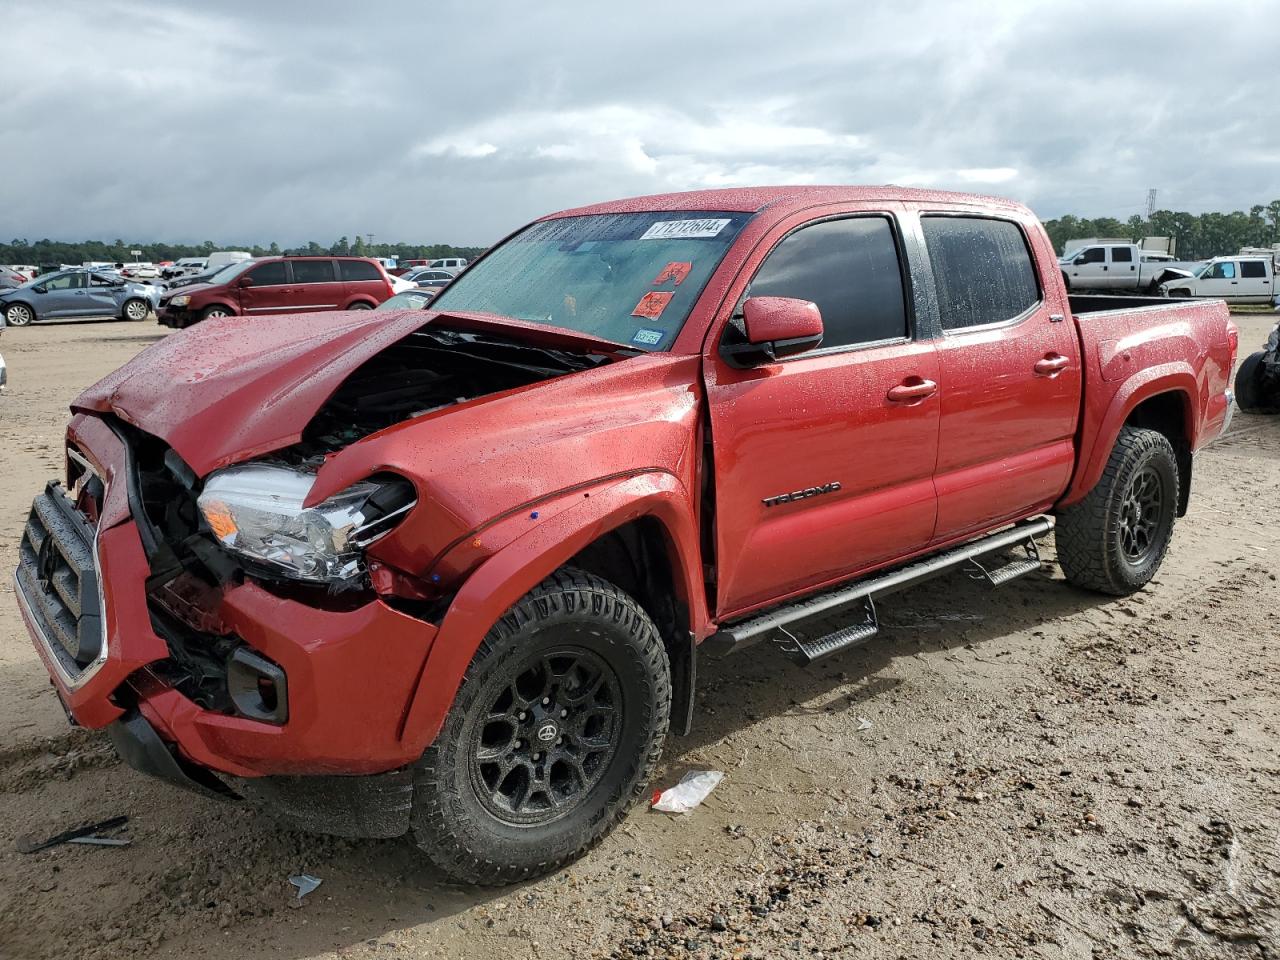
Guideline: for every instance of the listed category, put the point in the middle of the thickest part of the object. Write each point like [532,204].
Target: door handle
[1051,365]
[912,390]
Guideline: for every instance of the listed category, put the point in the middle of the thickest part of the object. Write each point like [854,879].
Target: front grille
[58,580]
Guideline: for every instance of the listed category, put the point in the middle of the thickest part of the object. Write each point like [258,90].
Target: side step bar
[735,636]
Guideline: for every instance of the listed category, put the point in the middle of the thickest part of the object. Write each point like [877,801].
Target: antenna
[1151,202]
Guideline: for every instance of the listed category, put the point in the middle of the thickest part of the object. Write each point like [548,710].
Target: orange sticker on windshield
[651,305]
[675,270]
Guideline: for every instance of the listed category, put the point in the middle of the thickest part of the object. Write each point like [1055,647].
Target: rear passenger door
[1122,269]
[1009,374]
[1255,281]
[317,286]
[828,423]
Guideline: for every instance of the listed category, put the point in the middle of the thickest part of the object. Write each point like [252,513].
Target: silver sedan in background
[78,293]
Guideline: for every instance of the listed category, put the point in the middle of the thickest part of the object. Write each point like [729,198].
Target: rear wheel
[1114,540]
[1252,395]
[136,310]
[553,736]
[361,305]
[18,315]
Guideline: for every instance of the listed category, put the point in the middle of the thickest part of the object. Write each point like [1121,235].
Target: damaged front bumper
[343,680]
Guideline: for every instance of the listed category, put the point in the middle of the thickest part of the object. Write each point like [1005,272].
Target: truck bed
[1101,302]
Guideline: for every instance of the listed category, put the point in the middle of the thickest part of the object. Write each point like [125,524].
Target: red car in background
[280,285]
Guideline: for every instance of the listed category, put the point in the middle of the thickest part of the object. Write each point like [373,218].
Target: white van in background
[224,258]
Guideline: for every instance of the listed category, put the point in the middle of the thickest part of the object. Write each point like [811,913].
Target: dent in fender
[516,569]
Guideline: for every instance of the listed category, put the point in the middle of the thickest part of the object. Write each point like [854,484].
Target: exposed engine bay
[428,370]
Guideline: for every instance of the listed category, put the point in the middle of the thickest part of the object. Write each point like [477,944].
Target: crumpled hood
[226,390]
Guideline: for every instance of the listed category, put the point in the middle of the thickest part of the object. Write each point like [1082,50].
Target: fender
[1099,430]
[526,561]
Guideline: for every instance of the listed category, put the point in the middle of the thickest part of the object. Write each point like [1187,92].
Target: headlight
[180,301]
[256,511]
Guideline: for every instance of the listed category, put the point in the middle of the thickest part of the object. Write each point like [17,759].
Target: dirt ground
[1029,772]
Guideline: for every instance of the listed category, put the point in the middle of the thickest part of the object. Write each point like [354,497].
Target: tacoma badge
[802,494]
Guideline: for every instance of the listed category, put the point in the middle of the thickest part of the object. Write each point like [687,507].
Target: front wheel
[553,736]
[1114,540]
[215,311]
[136,310]
[18,315]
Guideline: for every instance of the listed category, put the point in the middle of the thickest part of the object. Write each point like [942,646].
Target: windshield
[231,271]
[630,278]
[1203,269]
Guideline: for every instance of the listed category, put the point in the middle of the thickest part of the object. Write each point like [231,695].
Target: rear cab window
[982,269]
[1121,255]
[1253,269]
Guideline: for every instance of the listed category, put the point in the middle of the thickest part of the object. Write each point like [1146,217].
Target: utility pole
[1151,202]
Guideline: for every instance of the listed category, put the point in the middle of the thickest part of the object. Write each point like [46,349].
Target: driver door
[831,432]
[63,296]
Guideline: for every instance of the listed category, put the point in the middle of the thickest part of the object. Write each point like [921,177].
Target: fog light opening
[257,686]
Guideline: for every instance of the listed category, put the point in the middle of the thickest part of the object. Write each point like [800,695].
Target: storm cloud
[452,122]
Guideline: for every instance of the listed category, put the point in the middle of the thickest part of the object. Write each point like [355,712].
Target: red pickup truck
[450,571]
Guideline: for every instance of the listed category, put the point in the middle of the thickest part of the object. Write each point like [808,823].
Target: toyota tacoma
[449,572]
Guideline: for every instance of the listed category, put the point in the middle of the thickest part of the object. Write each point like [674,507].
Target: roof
[782,199]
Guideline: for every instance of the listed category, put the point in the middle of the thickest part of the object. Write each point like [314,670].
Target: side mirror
[1078,260]
[245,282]
[773,328]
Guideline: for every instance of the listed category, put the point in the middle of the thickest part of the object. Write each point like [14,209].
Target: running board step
[807,651]
[1029,563]
[735,636]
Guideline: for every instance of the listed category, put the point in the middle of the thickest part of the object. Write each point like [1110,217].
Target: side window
[850,269]
[982,269]
[353,270]
[1121,255]
[1253,269]
[269,274]
[1224,270]
[99,281]
[313,271]
[1093,255]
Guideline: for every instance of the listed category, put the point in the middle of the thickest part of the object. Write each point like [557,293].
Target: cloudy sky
[454,122]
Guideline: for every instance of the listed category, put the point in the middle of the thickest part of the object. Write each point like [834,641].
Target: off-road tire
[1251,393]
[453,823]
[1088,534]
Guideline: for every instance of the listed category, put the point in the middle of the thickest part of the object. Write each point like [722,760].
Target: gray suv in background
[77,293]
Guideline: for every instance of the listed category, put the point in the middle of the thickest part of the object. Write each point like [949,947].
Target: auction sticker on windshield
[683,229]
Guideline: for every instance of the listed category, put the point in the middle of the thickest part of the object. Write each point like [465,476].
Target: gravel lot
[1032,772]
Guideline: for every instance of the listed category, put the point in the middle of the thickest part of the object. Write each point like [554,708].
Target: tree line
[1199,236]
[50,253]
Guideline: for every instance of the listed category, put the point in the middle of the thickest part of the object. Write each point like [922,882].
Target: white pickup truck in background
[1121,266]
[1235,279]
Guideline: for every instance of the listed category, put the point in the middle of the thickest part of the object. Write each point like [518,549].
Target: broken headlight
[256,510]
